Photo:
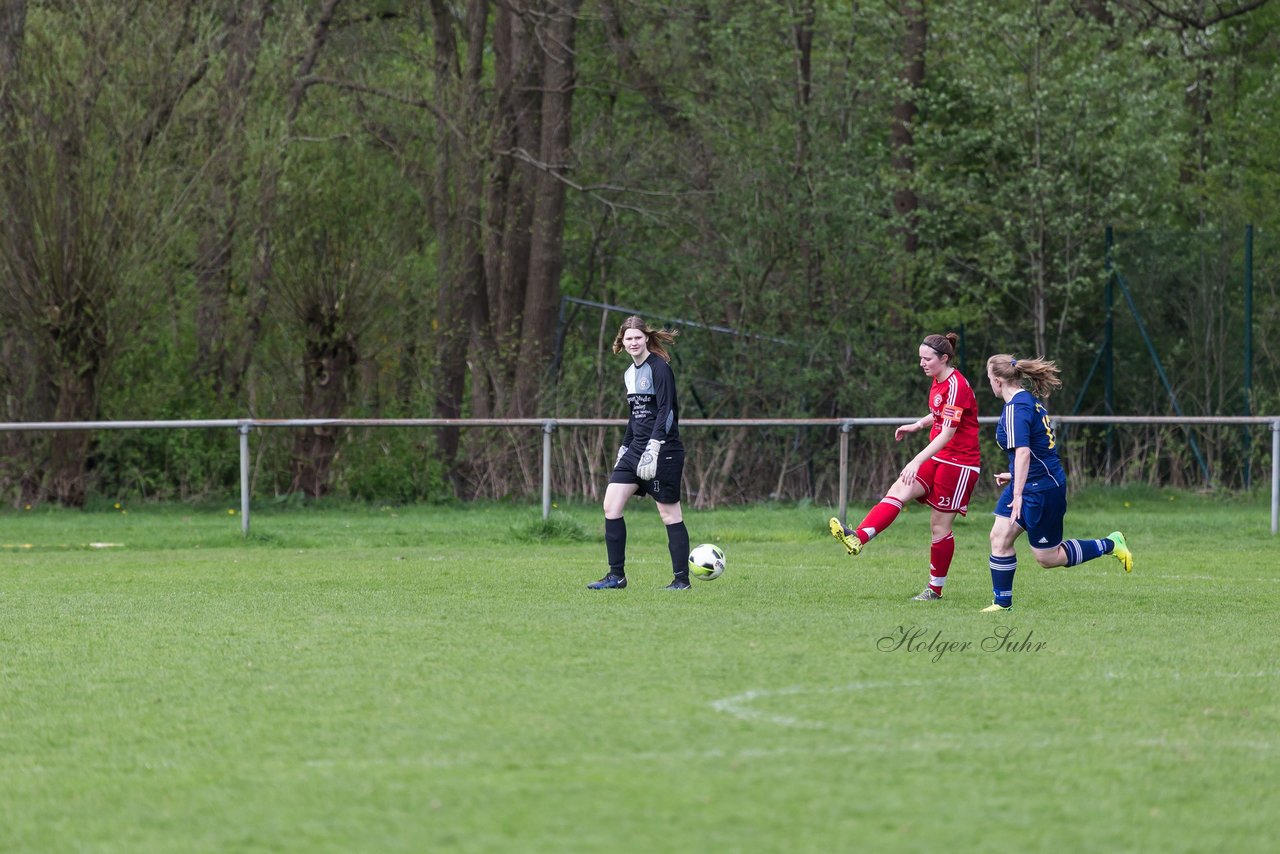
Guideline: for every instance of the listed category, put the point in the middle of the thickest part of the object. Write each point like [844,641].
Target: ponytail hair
[657,338]
[1039,375]
[943,345]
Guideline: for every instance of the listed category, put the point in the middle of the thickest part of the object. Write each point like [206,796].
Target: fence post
[845,429]
[1275,476]
[1248,354]
[243,430]
[547,427]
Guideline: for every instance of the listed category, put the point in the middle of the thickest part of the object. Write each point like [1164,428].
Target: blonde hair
[657,338]
[1040,374]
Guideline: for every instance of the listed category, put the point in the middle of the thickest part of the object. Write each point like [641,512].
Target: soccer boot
[1121,551]
[847,538]
[926,595]
[609,582]
[993,607]
[678,584]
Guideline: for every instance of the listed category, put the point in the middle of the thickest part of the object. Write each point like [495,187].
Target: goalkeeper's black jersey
[651,395]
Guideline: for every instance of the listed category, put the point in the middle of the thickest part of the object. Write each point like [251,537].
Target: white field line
[741,706]
[738,706]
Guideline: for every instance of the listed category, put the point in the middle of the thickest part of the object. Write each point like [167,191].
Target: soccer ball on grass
[706,562]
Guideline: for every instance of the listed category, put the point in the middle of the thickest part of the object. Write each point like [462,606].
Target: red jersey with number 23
[953,404]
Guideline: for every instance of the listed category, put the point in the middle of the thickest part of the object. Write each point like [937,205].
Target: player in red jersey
[942,475]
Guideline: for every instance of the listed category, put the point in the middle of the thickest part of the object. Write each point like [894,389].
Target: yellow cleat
[847,538]
[993,607]
[1121,551]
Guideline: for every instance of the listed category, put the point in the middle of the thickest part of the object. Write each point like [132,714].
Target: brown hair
[1040,374]
[943,345]
[656,338]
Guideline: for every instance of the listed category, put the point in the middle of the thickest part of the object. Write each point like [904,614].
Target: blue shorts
[1042,514]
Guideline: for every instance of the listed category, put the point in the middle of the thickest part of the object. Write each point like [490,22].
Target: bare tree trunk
[809,251]
[262,265]
[1098,10]
[456,212]
[13,25]
[518,82]
[451,324]
[244,23]
[1198,99]
[68,450]
[902,139]
[546,256]
[1040,239]
[328,361]
[15,384]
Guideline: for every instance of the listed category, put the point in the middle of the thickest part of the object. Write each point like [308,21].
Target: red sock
[940,554]
[880,517]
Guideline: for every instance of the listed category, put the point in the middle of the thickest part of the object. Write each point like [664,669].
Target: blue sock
[1078,551]
[1002,570]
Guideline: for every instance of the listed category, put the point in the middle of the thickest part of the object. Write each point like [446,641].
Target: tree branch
[595,190]
[1200,22]
[308,62]
[351,86]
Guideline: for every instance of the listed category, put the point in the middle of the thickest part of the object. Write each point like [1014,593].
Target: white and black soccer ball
[706,561]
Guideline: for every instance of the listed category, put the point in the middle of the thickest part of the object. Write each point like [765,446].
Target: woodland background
[368,208]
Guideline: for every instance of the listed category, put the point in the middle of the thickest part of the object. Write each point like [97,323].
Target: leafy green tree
[1041,126]
[90,91]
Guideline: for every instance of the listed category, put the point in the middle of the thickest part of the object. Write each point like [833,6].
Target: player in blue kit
[1035,487]
[651,459]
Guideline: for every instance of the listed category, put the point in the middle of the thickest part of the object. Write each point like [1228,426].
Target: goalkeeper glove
[648,466]
[622,452]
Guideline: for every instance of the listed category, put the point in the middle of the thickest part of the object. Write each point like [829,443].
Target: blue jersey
[1024,423]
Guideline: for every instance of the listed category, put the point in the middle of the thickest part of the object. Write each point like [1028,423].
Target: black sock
[615,544]
[678,545]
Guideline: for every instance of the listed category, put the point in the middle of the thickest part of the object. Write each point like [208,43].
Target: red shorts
[947,485]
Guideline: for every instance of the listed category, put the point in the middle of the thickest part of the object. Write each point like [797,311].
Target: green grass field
[416,679]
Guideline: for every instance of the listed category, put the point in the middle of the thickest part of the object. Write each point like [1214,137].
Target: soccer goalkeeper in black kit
[651,459]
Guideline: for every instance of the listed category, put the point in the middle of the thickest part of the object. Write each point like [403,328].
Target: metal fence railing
[245,426]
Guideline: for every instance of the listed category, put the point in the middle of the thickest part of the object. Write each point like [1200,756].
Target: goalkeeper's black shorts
[666,484]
